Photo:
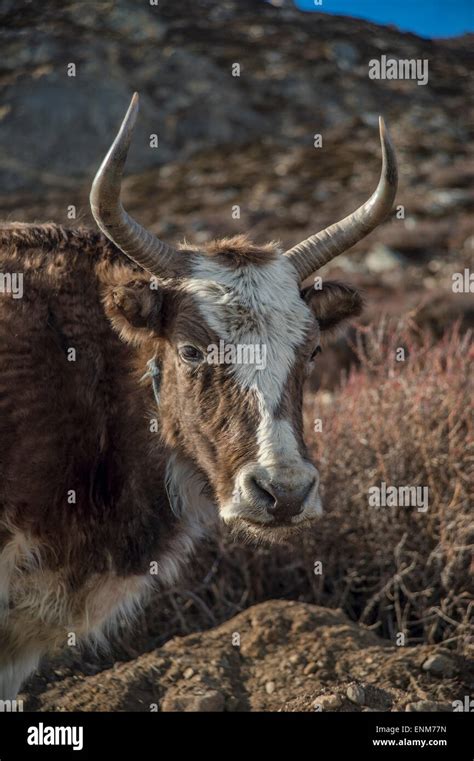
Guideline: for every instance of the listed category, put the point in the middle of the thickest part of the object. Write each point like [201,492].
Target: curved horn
[138,244]
[319,249]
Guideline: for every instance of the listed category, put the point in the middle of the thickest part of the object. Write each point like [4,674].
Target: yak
[121,443]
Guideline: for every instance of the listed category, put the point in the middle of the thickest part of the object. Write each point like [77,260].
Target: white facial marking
[260,305]
[275,438]
[254,305]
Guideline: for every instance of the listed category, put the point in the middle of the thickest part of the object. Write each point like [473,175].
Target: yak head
[236,328]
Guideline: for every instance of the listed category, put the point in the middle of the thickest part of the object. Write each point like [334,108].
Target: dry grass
[406,423]
[394,569]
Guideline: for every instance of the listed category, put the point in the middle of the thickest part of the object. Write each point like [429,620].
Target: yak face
[237,411]
[234,342]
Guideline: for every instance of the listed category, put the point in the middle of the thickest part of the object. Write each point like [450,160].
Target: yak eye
[316,351]
[190,354]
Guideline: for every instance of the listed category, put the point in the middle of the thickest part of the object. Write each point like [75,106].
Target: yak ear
[333,304]
[135,310]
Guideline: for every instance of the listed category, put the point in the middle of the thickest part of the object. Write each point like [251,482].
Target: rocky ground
[276,656]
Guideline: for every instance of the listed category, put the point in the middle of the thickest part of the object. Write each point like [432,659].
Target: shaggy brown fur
[239,250]
[78,423]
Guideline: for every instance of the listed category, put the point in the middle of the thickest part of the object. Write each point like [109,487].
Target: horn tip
[388,154]
[133,107]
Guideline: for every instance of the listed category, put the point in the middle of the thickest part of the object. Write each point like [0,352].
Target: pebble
[439,665]
[310,668]
[189,672]
[381,259]
[327,703]
[270,688]
[209,701]
[356,694]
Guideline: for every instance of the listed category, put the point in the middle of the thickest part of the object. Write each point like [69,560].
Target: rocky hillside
[225,139]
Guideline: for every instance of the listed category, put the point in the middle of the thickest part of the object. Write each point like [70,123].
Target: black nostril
[281,501]
[286,506]
[263,493]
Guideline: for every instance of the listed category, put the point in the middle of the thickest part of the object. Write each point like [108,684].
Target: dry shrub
[407,423]
[396,569]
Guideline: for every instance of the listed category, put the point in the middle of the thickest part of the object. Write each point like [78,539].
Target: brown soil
[292,657]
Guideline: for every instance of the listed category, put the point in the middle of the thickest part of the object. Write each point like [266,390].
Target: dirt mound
[276,656]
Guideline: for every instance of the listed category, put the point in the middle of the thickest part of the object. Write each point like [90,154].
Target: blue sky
[427,18]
